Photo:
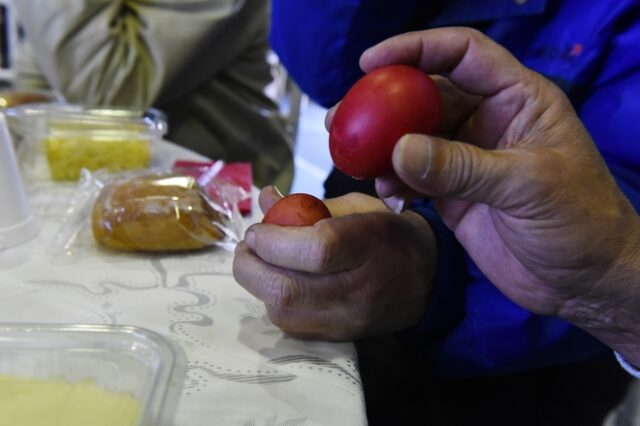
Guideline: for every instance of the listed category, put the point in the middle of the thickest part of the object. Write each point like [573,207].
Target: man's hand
[520,182]
[365,271]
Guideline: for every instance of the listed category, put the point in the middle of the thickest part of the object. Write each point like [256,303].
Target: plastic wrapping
[56,141]
[155,211]
[231,183]
[13,98]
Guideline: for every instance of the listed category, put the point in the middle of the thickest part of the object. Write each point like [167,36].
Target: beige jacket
[203,62]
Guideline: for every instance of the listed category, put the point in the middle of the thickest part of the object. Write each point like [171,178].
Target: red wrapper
[238,174]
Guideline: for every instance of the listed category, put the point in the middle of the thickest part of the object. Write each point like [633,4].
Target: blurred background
[8,34]
[312,161]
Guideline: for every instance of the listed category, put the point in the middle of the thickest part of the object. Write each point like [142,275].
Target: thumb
[268,196]
[440,168]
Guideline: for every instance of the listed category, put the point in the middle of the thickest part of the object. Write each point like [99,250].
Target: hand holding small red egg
[327,277]
[296,210]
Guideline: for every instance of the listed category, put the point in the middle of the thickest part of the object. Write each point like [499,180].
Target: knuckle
[239,254]
[321,251]
[473,33]
[456,169]
[236,266]
[473,36]
[277,318]
[242,268]
[284,293]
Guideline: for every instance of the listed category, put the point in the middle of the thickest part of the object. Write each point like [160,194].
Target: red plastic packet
[239,173]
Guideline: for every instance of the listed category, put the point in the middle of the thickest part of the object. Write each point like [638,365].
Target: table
[241,369]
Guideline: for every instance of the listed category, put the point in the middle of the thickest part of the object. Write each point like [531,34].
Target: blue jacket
[590,49]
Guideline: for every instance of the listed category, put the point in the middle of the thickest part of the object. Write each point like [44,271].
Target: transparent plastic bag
[154,211]
[231,183]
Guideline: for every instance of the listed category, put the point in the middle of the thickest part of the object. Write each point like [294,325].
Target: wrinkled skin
[518,179]
[514,174]
[362,272]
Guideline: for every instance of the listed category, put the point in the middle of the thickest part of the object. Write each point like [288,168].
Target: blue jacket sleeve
[612,113]
[320,41]
[470,329]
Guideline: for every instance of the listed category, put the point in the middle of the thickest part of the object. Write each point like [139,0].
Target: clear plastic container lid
[138,366]
[13,98]
[57,140]
[81,119]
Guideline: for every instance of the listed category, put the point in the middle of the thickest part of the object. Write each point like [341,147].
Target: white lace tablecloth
[241,369]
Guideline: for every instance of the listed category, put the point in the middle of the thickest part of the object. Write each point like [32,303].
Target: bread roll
[154,213]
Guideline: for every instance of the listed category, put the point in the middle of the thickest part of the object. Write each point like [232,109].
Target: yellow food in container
[88,375]
[30,402]
[69,138]
[70,147]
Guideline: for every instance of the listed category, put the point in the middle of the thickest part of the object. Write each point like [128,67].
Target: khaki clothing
[204,63]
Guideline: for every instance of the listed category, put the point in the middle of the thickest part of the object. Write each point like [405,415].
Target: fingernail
[395,203]
[412,156]
[383,188]
[277,191]
[328,118]
[250,238]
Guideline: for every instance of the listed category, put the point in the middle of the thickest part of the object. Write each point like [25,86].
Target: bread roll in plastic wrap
[155,213]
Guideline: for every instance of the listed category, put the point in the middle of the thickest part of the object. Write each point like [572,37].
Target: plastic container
[123,361]
[58,140]
[13,98]
[17,223]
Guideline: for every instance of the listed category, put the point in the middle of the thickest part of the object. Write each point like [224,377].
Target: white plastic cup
[17,222]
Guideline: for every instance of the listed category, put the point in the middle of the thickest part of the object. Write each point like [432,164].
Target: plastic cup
[17,222]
